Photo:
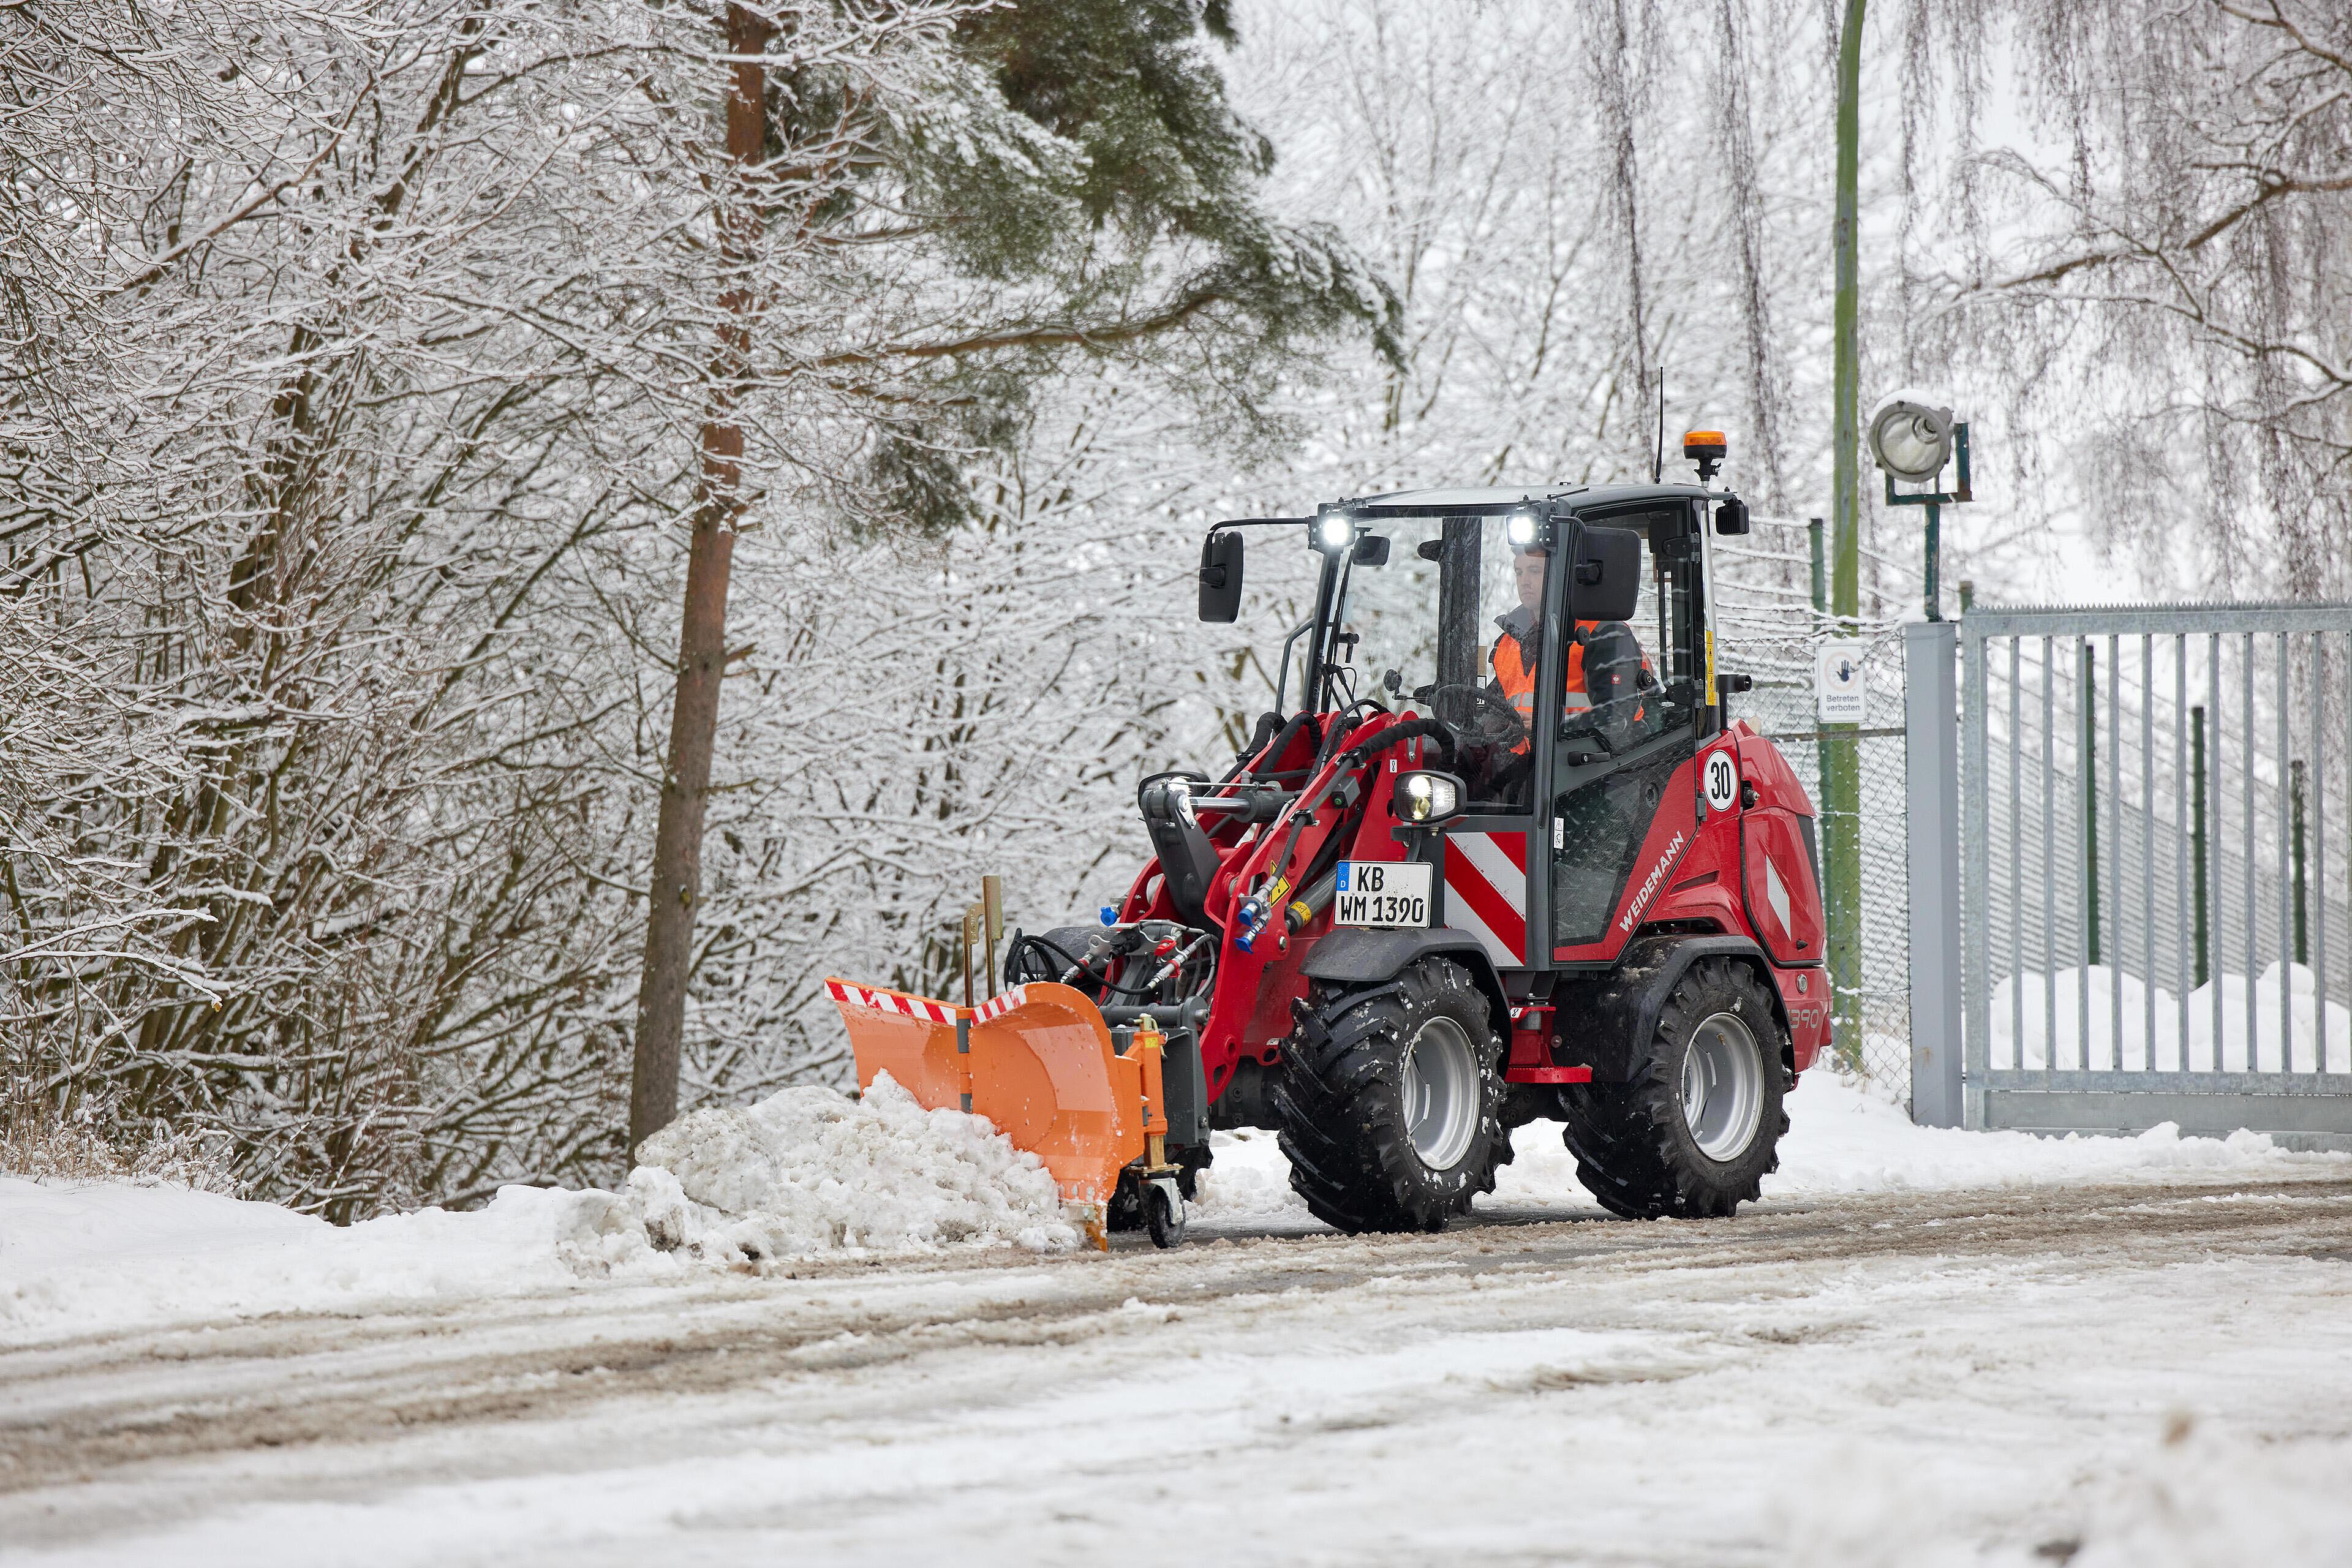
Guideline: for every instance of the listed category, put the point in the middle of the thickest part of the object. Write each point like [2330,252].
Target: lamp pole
[1935,501]
[1841,778]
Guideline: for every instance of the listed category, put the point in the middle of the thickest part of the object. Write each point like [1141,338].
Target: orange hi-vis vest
[1517,677]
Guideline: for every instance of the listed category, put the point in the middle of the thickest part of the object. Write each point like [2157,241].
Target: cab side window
[1625,682]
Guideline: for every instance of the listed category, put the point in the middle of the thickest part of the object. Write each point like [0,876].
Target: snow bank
[80,1258]
[805,1172]
[1844,1139]
[2098,984]
[1840,1139]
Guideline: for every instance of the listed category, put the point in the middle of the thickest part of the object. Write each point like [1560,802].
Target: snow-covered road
[2141,1373]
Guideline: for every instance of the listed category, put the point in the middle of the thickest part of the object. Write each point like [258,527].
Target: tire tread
[1634,1152]
[1336,1096]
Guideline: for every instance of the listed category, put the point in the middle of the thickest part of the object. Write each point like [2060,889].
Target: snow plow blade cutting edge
[1037,1061]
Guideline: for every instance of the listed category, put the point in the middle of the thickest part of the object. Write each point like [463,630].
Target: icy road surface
[2143,1372]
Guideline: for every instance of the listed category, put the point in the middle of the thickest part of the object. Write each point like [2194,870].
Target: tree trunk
[677,880]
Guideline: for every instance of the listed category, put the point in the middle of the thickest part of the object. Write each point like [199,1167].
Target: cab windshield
[1451,625]
[1443,616]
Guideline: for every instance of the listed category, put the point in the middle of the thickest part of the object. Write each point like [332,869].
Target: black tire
[1339,1099]
[1162,1217]
[1635,1145]
[1130,1202]
[1125,1210]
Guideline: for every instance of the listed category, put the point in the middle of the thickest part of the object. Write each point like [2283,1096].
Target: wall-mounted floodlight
[1911,438]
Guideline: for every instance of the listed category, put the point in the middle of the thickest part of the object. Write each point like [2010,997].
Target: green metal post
[2200,932]
[2301,908]
[1841,759]
[1821,596]
[1934,563]
[2091,801]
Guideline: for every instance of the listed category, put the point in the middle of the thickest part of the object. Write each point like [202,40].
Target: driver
[1604,658]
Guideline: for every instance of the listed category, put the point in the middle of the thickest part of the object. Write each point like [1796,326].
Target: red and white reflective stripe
[1487,892]
[891,1002]
[997,1006]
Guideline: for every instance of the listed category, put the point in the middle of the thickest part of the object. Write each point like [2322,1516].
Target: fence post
[2197,851]
[2302,890]
[2090,815]
[1931,735]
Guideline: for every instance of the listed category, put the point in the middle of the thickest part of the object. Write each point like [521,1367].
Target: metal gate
[2154,863]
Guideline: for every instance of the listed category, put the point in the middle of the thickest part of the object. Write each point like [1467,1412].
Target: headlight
[1334,531]
[1427,797]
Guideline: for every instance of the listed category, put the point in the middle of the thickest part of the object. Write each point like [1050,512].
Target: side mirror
[1731,515]
[1221,576]
[1372,549]
[1606,582]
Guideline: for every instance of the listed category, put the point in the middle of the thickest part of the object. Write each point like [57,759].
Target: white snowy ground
[1922,1348]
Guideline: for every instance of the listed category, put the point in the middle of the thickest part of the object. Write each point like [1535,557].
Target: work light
[1427,796]
[1334,531]
[1523,527]
[1911,438]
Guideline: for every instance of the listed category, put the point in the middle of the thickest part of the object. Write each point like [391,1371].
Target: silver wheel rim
[1723,1087]
[1440,1093]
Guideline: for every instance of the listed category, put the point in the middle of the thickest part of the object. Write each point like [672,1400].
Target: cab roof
[1503,498]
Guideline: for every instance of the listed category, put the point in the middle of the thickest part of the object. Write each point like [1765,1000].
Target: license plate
[1381,893]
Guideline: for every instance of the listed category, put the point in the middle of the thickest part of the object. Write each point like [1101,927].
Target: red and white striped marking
[997,1006]
[921,1007]
[1487,892]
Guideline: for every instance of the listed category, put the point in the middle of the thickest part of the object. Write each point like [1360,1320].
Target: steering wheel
[1478,715]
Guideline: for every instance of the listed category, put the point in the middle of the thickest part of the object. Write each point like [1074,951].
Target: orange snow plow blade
[1041,1066]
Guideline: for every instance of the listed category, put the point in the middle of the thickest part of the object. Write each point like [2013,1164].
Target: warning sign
[1839,695]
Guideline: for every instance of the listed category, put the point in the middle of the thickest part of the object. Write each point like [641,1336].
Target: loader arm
[1342,810]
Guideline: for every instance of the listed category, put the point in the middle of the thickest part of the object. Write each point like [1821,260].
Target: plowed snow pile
[809,1170]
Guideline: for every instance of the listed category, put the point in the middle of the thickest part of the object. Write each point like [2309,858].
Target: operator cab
[1561,636]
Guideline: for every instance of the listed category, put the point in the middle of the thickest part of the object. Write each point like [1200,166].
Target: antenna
[1658,467]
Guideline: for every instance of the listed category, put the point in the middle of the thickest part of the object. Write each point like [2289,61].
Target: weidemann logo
[1657,875]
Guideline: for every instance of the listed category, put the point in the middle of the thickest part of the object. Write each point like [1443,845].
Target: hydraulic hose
[1312,902]
[1270,727]
[1397,735]
[1257,908]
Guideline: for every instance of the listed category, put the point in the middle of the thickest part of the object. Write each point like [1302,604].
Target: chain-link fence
[1770,630]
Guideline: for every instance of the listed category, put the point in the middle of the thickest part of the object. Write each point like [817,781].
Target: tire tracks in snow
[84,1409]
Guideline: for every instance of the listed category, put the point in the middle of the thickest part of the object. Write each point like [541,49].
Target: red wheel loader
[1508,857]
